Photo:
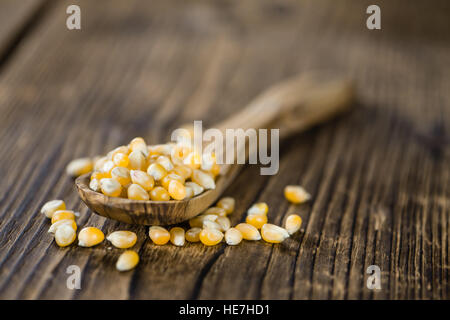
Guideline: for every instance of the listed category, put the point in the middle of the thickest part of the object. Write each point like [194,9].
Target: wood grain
[379,176]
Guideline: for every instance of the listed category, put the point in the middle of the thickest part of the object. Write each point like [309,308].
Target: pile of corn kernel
[139,171]
[210,228]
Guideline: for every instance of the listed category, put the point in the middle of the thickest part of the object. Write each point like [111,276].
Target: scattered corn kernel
[63,214]
[90,236]
[110,187]
[226,203]
[177,236]
[127,260]
[122,239]
[293,223]
[52,206]
[62,222]
[258,208]
[193,234]
[248,231]
[65,235]
[296,194]
[136,192]
[256,220]
[198,220]
[122,175]
[233,236]
[80,166]
[157,171]
[204,179]
[177,190]
[210,237]
[159,194]
[195,187]
[159,235]
[224,223]
[273,234]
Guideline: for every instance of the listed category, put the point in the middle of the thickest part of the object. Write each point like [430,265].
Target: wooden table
[379,176]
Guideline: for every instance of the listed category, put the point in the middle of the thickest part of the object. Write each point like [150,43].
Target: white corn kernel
[94,185]
[224,223]
[233,236]
[208,224]
[177,236]
[195,187]
[204,179]
[65,235]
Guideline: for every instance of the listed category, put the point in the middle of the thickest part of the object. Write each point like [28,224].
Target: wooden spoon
[292,106]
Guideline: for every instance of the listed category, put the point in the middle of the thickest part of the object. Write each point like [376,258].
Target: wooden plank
[379,176]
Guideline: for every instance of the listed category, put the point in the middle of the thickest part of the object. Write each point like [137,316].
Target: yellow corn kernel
[159,235]
[165,163]
[99,175]
[157,171]
[136,192]
[127,260]
[224,223]
[122,239]
[137,160]
[121,160]
[258,208]
[204,179]
[193,160]
[171,176]
[65,235]
[293,223]
[193,234]
[122,175]
[256,220]
[183,171]
[248,231]
[195,187]
[63,214]
[273,234]
[80,166]
[52,206]
[177,236]
[210,237]
[177,190]
[62,222]
[159,194]
[99,163]
[217,211]
[90,236]
[110,187]
[143,179]
[138,144]
[233,236]
[296,194]
[122,149]
[108,166]
[226,203]
[94,185]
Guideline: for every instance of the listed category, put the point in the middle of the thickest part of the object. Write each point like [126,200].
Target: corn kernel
[226,203]
[52,206]
[208,224]
[204,179]
[233,236]
[193,234]
[137,144]
[273,234]
[90,236]
[159,235]
[122,175]
[99,163]
[189,192]
[157,171]
[193,160]
[136,192]
[100,175]
[122,149]
[159,194]
[198,220]
[65,235]
[177,236]
[210,237]
[293,223]
[178,153]
[143,179]
[63,214]
[183,171]
[122,239]
[171,176]
[177,190]
[248,231]
[137,160]
[165,163]
[121,160]
[256,220]
[127,260]
[79,167]
[94,185]
[296,194]
[62,222]
[224,223]
[258,208]
[217,211]
[110,187]
[195,187]
[107,167]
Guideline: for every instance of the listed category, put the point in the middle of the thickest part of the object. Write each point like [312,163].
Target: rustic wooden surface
[379,176]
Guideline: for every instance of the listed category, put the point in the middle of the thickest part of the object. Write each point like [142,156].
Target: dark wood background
[379,176]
